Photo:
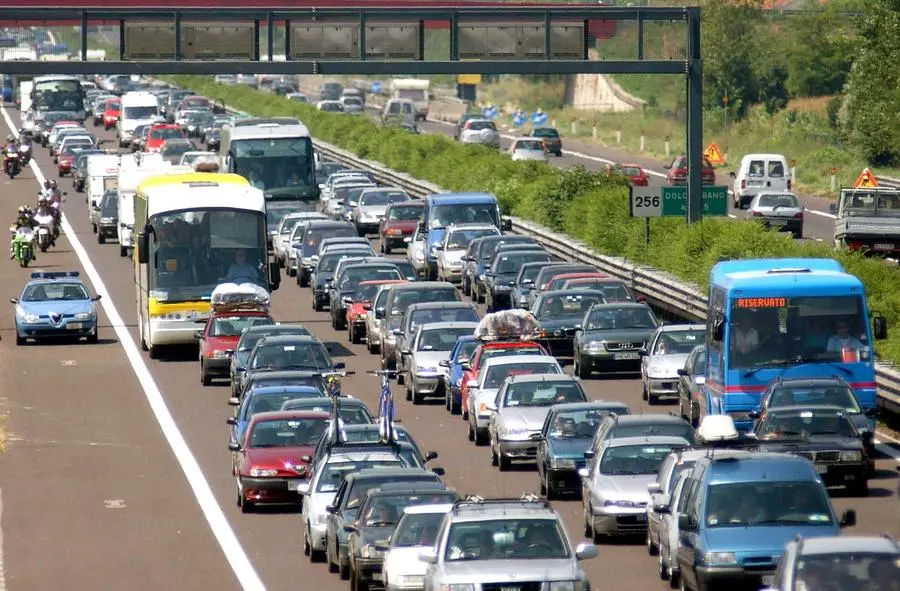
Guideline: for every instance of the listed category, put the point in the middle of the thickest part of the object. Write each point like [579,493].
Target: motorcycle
[23,245]
[11,164]
[45,234]
[56,207]
[24,154]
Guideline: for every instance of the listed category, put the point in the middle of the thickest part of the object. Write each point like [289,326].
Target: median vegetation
[589,206]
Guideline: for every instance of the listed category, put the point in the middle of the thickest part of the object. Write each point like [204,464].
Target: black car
[79,168]
[826,436]
[107,217]
[500,278]
[484,255]
[348,278]
[523,286]
[612,337]
[311,236]
[323,273]
[248,340]
[559,315]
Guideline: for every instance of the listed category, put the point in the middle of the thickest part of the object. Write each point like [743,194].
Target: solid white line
[2,561]
[225,536]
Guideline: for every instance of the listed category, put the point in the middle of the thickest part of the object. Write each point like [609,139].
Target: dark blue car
[265,399]
[461,353]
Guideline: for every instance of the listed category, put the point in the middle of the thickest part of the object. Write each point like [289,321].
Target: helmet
[42,200]
[23,209]
[47,184]
[53,183]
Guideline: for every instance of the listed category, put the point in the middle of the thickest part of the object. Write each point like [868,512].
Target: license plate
[883,247]
[821,469]
[633,356]
[74,326]
[510,588]
[778,222]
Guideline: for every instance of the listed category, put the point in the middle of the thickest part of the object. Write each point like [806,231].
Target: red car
[112,110]
[635,174]
[677,174]
[400,221]
[360,305]
[219,338]
[64,161]
[490,349]
[557,281]
[158,135]
[269,462]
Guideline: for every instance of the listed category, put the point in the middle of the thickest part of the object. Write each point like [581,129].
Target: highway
[117,472]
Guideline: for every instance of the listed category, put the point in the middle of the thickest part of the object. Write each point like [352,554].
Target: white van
[760,172]
[102,170]
[133,170]
[138,108]
[403,110]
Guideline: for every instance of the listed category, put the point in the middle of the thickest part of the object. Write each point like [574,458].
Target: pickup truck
[868,219]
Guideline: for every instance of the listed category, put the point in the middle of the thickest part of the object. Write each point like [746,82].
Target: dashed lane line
[215,517]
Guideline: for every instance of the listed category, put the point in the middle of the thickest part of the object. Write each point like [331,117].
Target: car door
[543,450]
[331,518]
[645,359]
[689,540]
[668,530]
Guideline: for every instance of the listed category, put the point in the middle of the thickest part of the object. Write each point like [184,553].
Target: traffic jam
[762,414]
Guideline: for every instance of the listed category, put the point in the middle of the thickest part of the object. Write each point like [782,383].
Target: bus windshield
[195,250]
[282,167]
[780,332]
[58,95]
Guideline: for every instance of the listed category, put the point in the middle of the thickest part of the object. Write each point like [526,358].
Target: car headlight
[433,251]
[658,372]
[712,558]
[83,316]
[622,503]
[220,354]
[562,586]
[851,456]
[595,347]
[262,472]
[562,463]
[30,318]
[369,551]
[458,587]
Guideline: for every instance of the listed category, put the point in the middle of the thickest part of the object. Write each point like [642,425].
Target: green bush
[590,206]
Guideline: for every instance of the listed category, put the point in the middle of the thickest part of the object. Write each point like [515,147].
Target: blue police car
[55,305]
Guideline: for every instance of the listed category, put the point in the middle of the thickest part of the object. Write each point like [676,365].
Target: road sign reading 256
[653,202]
[645,202]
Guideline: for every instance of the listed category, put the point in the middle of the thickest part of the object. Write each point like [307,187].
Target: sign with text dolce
[652,202]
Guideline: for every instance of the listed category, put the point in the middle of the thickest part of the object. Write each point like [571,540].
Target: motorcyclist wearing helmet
[10,150]
[44,208]
[24,219]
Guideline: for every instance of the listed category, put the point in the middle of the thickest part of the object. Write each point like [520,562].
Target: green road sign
[674,201]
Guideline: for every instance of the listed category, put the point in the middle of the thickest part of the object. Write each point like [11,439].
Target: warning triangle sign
[714,155]
[865,180]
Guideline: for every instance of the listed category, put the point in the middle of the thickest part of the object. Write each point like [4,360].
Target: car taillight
[755,214]
[799,216]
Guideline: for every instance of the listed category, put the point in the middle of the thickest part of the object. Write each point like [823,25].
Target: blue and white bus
[785,318]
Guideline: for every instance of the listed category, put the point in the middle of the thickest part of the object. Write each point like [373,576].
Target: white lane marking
[214,515]
[886,449]
[2,561]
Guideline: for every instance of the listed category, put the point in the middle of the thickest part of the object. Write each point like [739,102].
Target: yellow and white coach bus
[194,232]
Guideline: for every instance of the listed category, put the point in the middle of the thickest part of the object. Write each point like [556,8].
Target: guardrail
[662,290]
[887,181]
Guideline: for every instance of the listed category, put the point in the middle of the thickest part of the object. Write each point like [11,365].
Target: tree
[870,117]
[819,51]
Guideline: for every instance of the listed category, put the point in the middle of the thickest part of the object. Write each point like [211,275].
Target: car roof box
[716,428]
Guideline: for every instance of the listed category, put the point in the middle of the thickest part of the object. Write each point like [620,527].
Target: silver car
[432,344]
[318,492]
[368,210]
[338,178]
[403,568]
[415,252]
[352,105]
[505,544]
[341,195]
[428,313]
[780,211]
[662,488]
[615,486]
[482,390]
[456,242]
[668,510]
[480,131]
[520,410]
[528,148]
[373,323]
[666,353]
[297,221]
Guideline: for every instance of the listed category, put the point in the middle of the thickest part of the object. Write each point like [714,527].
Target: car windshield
[408,297]
[405,212]
[460,239]
[420,317]
[287,432]
[314,237]
[848,570]
[580,424]
[370,435]
[506,539]
[630,171]
[441,339]
[545,132]
[417,529]
[480,125]
[386,510]
[442,216]
[234,326]
[375,198]
[611,290]
[249,340]
[56,291]
[356,275]
[805,423]
[621,319]
[464,351]
[333,473]
[273,401]
[510,264]
[778,200]
[833,395]
[678,342]
[561,306]
[530,145]
[768,502]
[301,356]
[330,260]
[545,393]
[351,414]
[491,352]
[498,374]
[287,225]
[630,460]
[166,133]
[171,148]
[365,293]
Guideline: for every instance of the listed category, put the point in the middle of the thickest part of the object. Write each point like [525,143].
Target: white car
[415,252]
[484,387]
[480,131]
[403,568]
[667,352]
[455,244]
[281,241]
[528,148]
[318,492]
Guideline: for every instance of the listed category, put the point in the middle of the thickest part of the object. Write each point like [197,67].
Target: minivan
[741,509]
[759,172]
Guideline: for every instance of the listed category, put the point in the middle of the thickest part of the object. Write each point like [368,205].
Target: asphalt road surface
[117,472]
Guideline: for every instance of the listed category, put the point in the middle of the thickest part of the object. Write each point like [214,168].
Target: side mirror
[662,509]
[506,224]
[405,352]
[643,353]
[347,300]
[339,365]
[303,488]
[96,298]
[229,352]
[685,523]
[589,454]
[350,528]
[13,300]
[331,509]
[491,406]
[732,175]
[467,364]
[367,307]
[585,551]
[407,240]
[752,436]
[437,470]
[231,421]
[234,401]
[431,455]
[537,436]
[143,246]
[382,545]
[428,556]
[754,414]
[397,332]
[683,372]
[879,327]
[379,313]
[848,519]
[439,247]
[444,363]
[871,412]
[832,208]
[234,446]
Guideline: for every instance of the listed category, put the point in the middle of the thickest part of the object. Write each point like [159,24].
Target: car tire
[357,583]
[480,437]
[417,398]
[93,339]
[205,379]
[20,340]
[123,251]
[455,408]
[94,228]
[662,568]
[580,371]
[401,380]
[652,549]
[316,304]
[503,463]
[247,506]
[101,239]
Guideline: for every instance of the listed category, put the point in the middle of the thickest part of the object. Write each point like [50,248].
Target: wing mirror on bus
[506,224]
[143,245]
[879,327]
[719,332]
[274,275]
[832,208]
[848,519]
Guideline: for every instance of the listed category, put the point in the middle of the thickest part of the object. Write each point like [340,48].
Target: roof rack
[526,500]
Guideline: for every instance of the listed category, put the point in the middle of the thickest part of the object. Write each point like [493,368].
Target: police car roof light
[54,274]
